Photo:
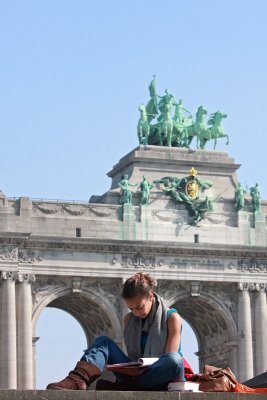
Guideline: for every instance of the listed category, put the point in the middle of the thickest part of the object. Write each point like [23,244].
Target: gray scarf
[155,325]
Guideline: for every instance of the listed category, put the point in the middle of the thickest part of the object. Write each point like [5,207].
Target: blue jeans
[104,351]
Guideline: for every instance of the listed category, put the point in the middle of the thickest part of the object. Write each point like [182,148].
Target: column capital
[260,287]
[242,287]
[251,287]
[8,275]
[28,278]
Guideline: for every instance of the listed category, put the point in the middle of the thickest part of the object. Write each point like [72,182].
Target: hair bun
[139,284]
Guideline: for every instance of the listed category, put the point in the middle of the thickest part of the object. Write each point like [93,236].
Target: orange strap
[245,389]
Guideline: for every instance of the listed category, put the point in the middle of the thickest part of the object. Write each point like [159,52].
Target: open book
[132,368]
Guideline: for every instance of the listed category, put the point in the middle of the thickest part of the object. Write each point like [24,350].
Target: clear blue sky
[72,74]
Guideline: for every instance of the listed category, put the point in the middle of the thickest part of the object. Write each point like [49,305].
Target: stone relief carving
[168,216]
[49,209]
[109,290]
[225,294]
[8,253]
[219,219]
[136,261]
[28,256]
[43,288]
[74,210]
[169,289]
[252,265]
[100,212]
[20,255]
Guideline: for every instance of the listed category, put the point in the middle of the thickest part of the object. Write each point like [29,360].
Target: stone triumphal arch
[210,261]
[178,213]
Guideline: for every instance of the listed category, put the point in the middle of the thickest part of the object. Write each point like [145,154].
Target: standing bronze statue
[240,197]
[256,198]
[145,188]
[126,194]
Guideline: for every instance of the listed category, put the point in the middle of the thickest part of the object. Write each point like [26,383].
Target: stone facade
[75,256]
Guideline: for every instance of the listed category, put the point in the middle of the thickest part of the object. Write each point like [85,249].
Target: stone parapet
[100,395]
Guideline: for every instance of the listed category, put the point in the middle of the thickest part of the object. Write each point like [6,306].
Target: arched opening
[213,330]
[67,323]
[60,345]
[190,346]
[211,313]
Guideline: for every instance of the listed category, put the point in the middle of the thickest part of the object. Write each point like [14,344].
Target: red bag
[188,371]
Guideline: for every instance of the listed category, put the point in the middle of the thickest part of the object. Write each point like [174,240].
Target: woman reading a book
[151,330]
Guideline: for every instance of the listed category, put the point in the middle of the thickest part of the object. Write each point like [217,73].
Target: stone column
[24,328]
[260,329]
[8,327]
[245,349]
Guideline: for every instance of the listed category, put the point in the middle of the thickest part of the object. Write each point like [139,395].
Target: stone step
[108,395]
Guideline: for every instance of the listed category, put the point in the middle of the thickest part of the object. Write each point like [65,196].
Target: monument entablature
[119,258]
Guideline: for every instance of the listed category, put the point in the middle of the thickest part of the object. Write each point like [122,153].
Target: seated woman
[151,329]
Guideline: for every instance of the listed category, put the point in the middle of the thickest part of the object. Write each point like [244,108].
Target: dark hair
[140,284]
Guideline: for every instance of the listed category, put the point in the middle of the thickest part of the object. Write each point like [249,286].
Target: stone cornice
[184,157]
[27,241]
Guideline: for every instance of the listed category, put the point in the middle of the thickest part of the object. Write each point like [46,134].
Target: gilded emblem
[192,189]
[187,190]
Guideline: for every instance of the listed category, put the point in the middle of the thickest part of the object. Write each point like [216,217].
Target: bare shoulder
[174,320]
[126,319]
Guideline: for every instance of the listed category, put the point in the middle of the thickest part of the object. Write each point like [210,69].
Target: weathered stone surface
[98,395]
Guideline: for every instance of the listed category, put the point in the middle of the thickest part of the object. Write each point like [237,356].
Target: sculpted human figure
[152,104]
[151,329]
[145,188]
[239,197]
[179,112]
[256,198]
[126,194]
[143,127]
[166,125]
[166,103]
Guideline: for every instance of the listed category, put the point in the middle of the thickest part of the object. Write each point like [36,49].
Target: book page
[148,361]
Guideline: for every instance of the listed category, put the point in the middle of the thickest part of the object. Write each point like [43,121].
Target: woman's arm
[174,333]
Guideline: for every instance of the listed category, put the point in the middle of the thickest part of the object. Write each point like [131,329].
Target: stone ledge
[108,395]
